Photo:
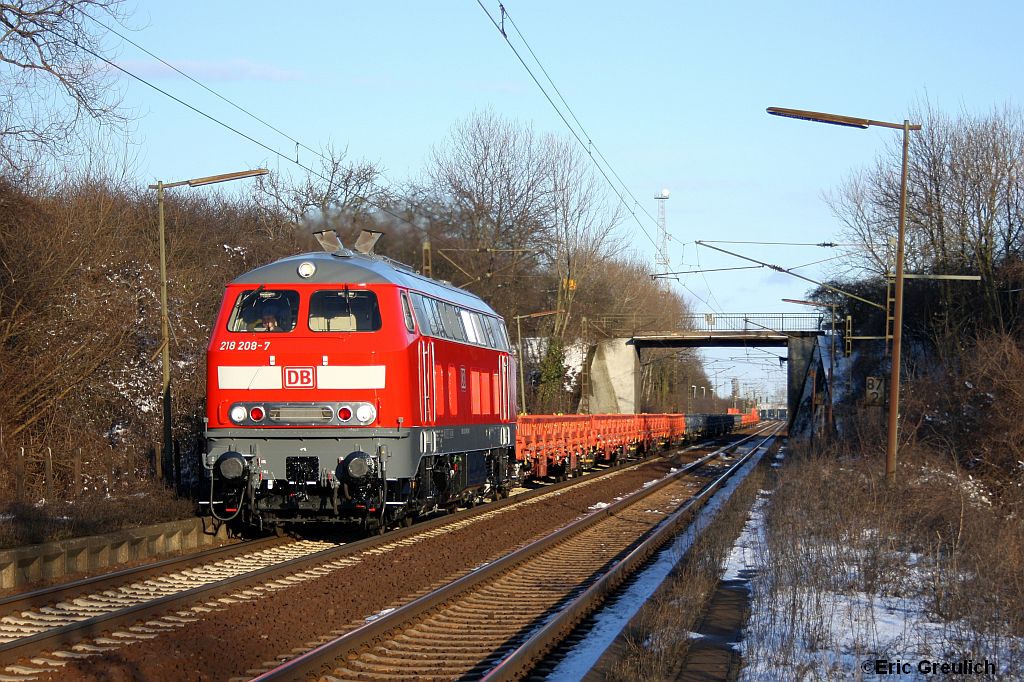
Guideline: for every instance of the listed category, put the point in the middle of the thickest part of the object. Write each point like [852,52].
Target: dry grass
[656,640]
[834,527]
[836,533]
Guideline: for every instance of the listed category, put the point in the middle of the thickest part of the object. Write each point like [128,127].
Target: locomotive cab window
[344,310]
[407,312]
[264,310]
[423,314]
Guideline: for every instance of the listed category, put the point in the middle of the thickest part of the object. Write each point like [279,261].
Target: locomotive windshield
[344,310]
[264,310]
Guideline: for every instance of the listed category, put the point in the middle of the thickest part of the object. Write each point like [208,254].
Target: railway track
[44,629]
[497,621]
[52,618]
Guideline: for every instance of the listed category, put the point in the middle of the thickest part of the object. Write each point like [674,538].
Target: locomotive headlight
[257,413]
[366,413]
[306,269]
[344,413]
[238,414]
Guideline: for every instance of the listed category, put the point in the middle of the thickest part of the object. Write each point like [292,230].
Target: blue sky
[672,93]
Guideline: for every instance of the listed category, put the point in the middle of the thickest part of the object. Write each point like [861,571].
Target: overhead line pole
[522,358]
[165,342]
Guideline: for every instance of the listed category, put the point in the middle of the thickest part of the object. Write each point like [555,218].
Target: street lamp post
[897,321]
[165,345]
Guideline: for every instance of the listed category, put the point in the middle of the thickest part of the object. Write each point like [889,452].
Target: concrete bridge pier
[613,385]
[802,361]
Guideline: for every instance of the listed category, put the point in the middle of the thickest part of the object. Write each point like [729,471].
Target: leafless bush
[837,535]
[970,405]
[94,514]
[80,311]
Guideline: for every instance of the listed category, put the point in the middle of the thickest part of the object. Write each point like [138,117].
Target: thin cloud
[390,82]
[208,71]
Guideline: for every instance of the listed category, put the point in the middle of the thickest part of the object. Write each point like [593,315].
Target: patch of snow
[796,632]
[615,615]
[378,615]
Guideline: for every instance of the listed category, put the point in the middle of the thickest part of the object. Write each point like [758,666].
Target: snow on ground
[818,634]
[615,615]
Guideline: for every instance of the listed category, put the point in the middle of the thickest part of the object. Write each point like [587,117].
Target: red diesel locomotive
[344,386]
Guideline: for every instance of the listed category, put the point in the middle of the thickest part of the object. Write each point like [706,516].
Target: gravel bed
[244,636]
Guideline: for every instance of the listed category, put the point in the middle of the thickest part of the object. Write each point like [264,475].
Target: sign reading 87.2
[874,391]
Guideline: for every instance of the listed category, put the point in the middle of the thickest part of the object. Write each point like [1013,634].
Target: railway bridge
[613,367]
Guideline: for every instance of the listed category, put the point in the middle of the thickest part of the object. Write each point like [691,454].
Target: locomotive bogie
[313,475]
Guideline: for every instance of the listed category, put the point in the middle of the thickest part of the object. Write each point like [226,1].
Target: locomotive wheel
[373,526]
[407,520]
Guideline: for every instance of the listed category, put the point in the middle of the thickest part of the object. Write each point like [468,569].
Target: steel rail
[320,659]
[519,662]
[63,636]
[55,593]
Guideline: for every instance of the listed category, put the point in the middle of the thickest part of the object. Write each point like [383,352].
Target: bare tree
[965,212]
[493,176]
[582,224]
[52,78]
[338,192]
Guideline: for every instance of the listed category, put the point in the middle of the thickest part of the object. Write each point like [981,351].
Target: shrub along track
[248,625]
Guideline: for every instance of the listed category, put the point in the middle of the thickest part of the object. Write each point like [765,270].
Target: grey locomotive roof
[355,268]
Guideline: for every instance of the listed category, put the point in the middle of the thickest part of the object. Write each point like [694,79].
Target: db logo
[299,377]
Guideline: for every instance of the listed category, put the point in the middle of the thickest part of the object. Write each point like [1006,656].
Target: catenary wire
[238,132]
[590,141]
[572,130]
[239,107]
